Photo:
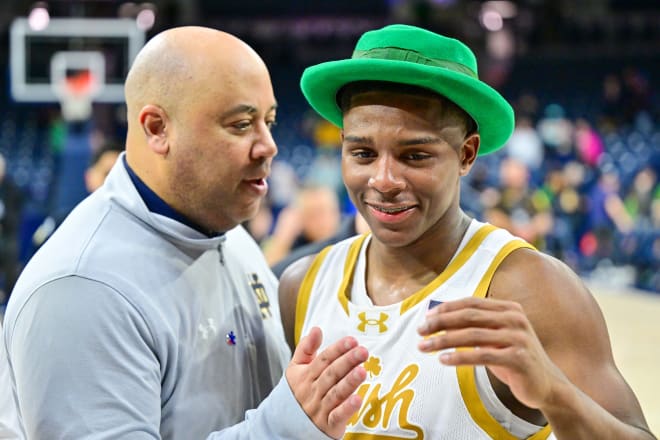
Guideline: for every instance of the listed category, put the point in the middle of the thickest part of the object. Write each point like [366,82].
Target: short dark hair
[351,89]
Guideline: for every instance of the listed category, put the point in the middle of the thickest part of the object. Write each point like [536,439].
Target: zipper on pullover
[221,254]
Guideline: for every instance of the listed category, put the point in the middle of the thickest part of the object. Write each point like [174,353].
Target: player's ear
[155,124]
[468,153]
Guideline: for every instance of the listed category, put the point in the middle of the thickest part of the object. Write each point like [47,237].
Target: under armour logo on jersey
[262,298]
[375,322]
[207,330]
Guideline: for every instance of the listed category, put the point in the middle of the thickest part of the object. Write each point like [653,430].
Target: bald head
[200,107]
[176,73]
[173,65]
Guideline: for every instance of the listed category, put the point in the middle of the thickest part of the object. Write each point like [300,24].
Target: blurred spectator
[102,162]
[11,209]
[556,132]
[283,185]
[56,139]
[611,104]
[525,145]
[562,188]
[325,171]
[259,226]
[73,160]
[588,143]
[641,248]
[606,205]
[607,218]
[94,175]
[636,94]
[527,105]
[520,210]
[352,225]
[642,201]
[315,215]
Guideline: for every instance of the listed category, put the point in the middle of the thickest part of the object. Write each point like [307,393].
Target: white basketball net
[76,106]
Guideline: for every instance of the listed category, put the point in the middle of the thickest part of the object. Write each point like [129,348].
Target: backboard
[42,60]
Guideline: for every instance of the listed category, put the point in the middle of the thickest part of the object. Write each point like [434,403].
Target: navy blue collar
[158,206]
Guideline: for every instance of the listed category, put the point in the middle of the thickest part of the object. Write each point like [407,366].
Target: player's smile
[390,214]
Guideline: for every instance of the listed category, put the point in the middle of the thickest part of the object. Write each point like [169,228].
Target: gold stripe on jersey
[368,436]
[351,259]
[463,256]
[304,293]
[466,376]
[350,263]
[484,284]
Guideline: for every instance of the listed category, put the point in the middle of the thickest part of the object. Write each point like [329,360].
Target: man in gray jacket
[149,313]
[9,425]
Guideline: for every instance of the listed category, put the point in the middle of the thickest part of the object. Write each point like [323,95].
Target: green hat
[411,55]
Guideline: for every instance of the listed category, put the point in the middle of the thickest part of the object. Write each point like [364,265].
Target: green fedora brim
[492,113]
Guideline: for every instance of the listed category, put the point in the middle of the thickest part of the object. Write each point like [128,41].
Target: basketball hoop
[76,97]
[77,77]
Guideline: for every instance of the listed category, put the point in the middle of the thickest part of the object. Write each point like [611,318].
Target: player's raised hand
[324,383]
[497,334]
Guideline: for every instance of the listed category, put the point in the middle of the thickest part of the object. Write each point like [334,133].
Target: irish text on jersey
[384,412]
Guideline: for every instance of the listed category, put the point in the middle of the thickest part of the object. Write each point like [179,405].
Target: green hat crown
[422,47]
[411,55]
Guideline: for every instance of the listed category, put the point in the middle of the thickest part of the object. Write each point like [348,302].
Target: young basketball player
[472,333]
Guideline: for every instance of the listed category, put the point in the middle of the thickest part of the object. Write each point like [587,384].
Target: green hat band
[411,56]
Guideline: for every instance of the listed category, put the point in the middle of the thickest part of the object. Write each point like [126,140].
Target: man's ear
[469,151]
[155,124]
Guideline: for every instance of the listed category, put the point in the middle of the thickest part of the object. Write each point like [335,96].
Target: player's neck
[394,274]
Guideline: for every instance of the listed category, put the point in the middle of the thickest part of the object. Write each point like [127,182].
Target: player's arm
[542,334]
[290,282]
[592,400]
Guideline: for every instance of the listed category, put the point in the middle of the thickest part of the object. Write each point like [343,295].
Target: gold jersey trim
[462,257]
[305,292]
[466,376]
[369,436]
[343,294]
[349,270]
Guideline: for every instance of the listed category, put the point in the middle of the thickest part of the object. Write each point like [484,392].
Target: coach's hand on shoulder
[324,383]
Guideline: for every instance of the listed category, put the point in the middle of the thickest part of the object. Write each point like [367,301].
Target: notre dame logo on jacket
[260,292]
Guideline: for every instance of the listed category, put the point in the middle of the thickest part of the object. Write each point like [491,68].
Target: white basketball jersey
[408,394]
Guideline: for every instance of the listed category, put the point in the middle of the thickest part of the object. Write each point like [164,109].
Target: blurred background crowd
[578,178]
